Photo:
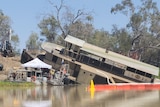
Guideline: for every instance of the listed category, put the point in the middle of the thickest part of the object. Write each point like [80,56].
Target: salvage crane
[6,47]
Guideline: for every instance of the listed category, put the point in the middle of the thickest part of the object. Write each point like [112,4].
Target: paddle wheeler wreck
[88,62]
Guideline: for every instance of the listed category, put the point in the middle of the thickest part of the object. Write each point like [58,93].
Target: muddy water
[76,96]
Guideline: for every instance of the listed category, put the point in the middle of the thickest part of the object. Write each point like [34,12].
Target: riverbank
[9,64]
[15,84]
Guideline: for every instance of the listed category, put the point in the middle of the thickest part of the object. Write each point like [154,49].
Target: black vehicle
[1,67]
[6,49]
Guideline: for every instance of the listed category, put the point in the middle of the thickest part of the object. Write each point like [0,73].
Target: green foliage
[49,28]
[89,18]
[4,24]
[15,43]
[100,38]
[123,7]
[66,22]
[33,42]
[5,29]
[15,84]
[143,26]
[122,41]
[81,30]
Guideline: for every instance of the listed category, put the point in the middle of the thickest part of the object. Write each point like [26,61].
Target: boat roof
[47,46]
[121,59]
[93,48]
[74,40]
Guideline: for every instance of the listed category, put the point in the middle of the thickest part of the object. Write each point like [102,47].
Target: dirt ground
[9,63]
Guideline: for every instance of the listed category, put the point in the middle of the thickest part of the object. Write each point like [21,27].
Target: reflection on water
[76,96]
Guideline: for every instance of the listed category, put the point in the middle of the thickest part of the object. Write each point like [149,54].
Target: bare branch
[70,18]
[58,9]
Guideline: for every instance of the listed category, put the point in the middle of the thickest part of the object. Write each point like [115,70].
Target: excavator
[6,49]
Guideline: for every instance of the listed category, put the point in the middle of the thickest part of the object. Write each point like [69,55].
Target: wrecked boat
[88,62]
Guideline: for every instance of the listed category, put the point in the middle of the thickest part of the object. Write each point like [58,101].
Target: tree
[143,25]
[49,28]
[15,43]
[5,32]
[122,40]
[65,22]
[32,42]
[100,38]
[4,25]
[81,30]
[67,19]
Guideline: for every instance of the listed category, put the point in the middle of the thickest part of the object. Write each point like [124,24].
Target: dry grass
[9,63]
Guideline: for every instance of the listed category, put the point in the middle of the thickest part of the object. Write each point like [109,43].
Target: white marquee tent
[36,63]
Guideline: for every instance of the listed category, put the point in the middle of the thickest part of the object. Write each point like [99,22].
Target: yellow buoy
[92,86]
[92,89]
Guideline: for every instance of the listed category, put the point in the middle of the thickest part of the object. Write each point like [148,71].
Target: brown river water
[76,96]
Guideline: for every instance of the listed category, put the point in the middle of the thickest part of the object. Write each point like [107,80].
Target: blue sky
[26,14]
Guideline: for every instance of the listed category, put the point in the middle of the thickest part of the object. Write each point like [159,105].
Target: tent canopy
[36,63]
